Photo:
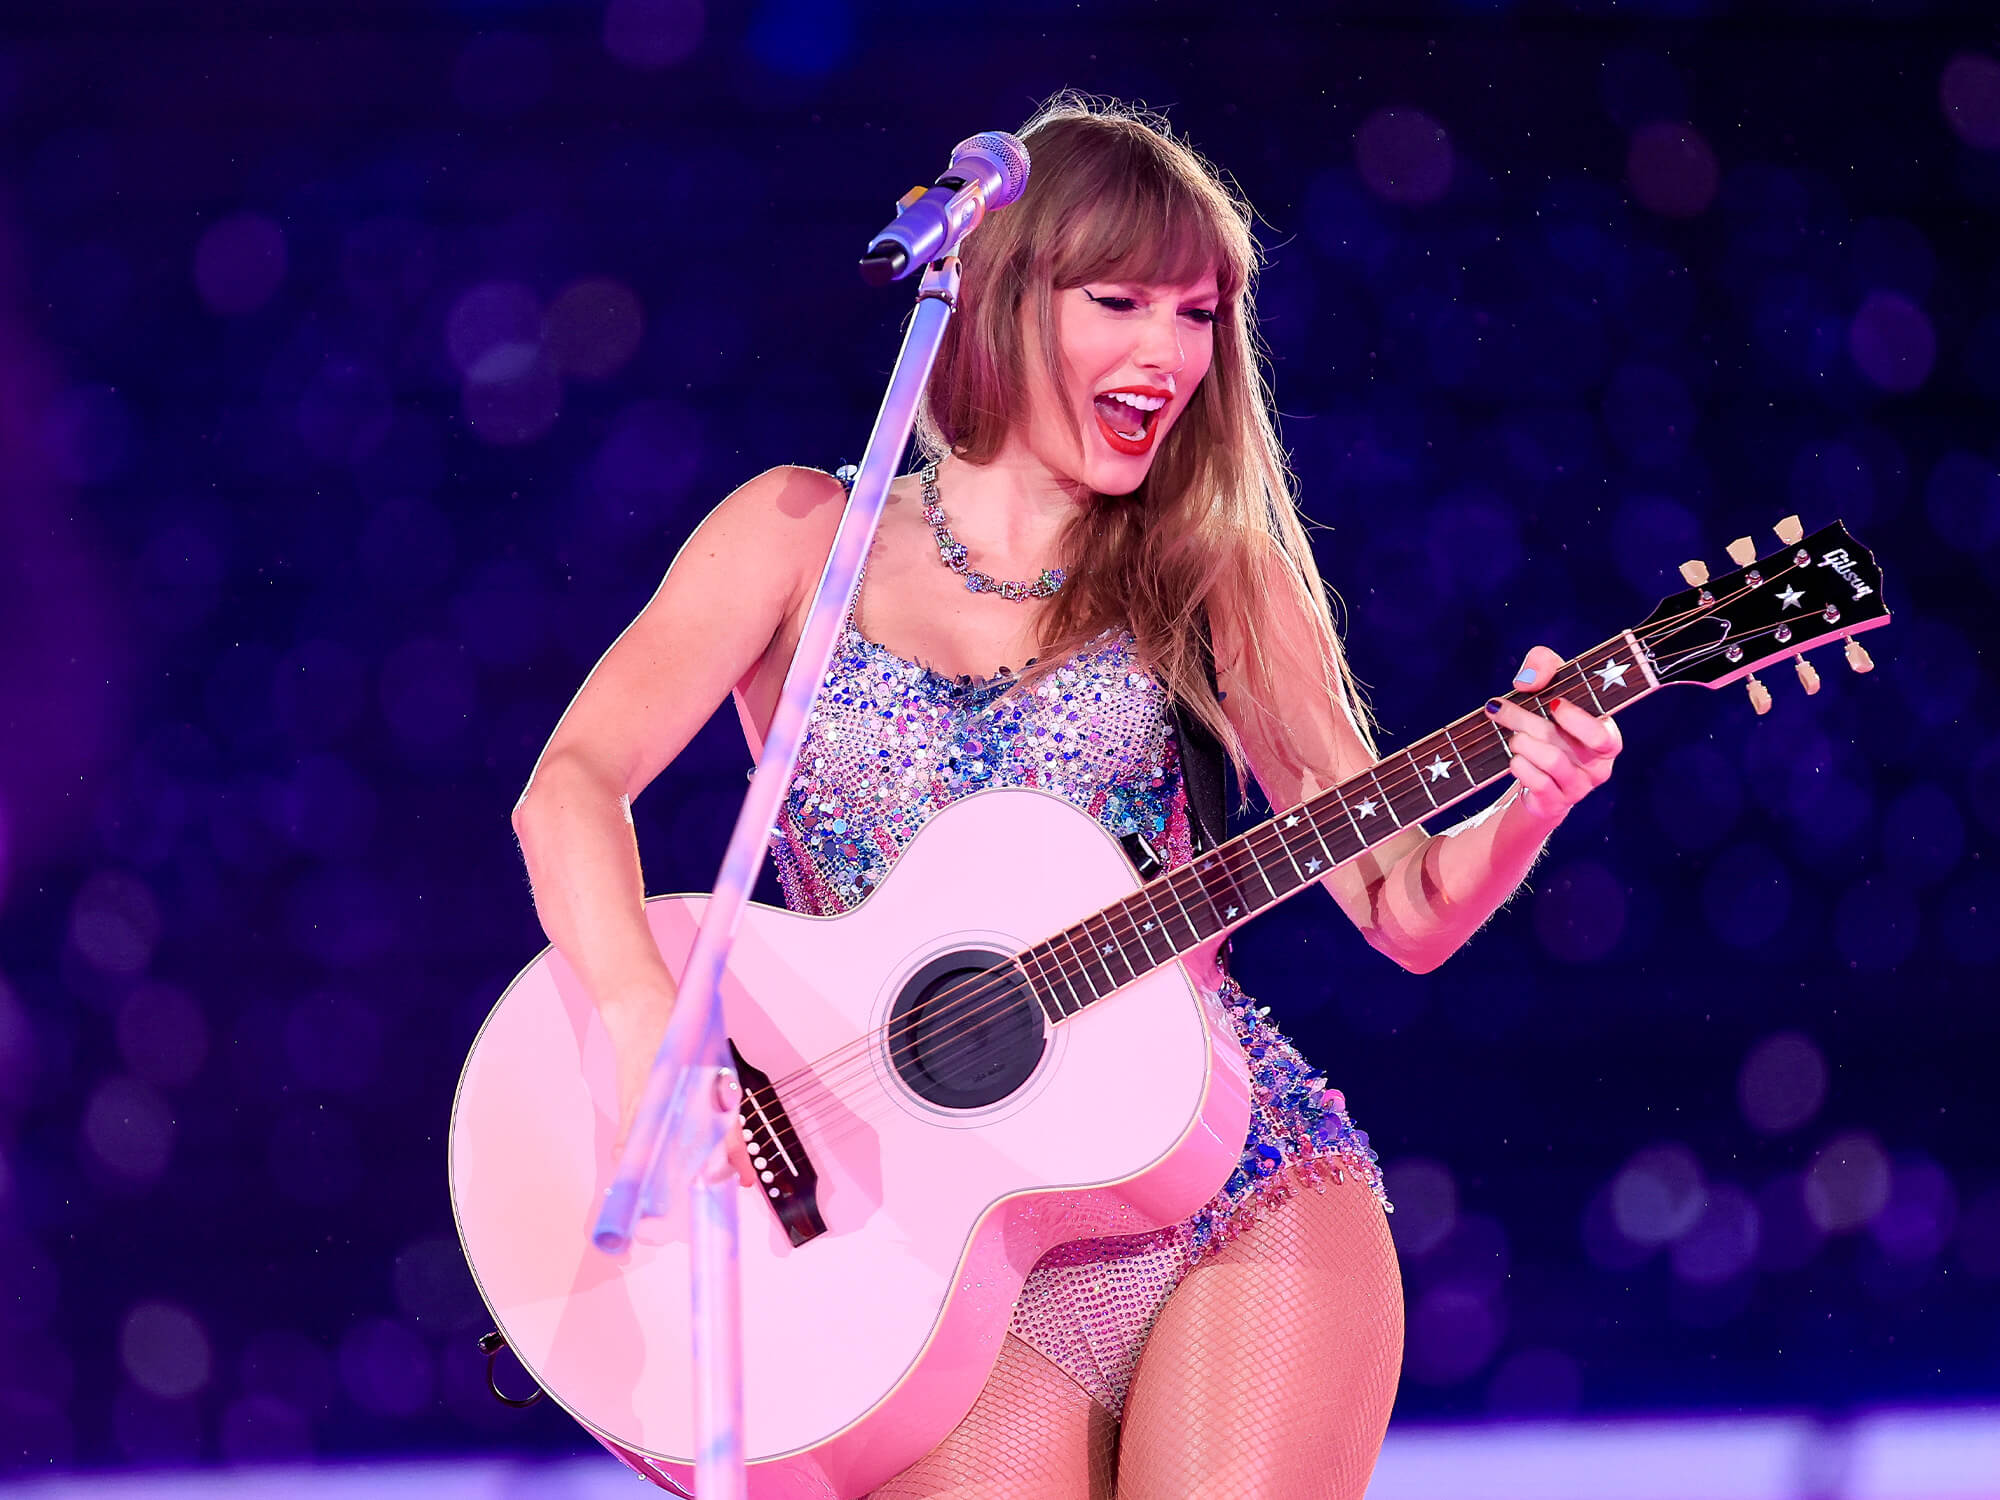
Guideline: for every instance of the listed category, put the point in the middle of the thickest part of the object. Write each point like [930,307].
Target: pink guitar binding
[1005,1047]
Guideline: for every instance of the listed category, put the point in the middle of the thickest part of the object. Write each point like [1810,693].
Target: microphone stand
[688,1113]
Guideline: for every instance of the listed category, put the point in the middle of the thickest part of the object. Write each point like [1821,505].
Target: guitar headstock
[1810,591]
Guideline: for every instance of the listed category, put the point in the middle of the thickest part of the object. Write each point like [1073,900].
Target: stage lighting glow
[1722,1242]
[1917,1221]
[1672,170]
[1453,1332]
[1658,1195]
[1404,155]
[1892,342]
[165,1349]
[128,1127]
[1848,1182]
[593,327]
[1782,1083]
[1969,94]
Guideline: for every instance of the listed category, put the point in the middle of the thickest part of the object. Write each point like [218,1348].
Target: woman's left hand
[1559,760]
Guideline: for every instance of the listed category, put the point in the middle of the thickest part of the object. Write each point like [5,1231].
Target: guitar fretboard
[1224,888]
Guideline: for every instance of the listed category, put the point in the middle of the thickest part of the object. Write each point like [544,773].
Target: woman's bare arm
[729,591]
[1416,896]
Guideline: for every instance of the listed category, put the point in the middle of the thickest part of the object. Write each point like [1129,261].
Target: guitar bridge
[784,1171]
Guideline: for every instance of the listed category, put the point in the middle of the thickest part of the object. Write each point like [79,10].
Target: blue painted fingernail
[1526,677]
[1493,705]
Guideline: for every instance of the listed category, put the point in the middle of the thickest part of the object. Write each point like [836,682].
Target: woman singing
[1104,509]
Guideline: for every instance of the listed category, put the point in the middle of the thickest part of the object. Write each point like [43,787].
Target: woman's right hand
[637,1024]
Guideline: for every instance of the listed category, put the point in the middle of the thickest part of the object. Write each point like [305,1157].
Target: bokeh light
[165,1349]
[1848,1182]
[1722,1242]
[1404,156]
[1892,342]
[128,1127]
[594,327]
[1658,1195]
[1782,1083]
[1451,1334]
[1922,1211]
[1672,170]
[1969,92]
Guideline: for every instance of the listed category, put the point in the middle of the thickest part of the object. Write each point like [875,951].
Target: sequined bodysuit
[889,742]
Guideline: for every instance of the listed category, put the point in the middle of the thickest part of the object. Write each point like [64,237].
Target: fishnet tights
[1269,1376]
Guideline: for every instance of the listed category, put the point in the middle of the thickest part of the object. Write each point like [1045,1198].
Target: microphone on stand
[986,172]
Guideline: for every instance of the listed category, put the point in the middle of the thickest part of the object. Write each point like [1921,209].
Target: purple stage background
[362,367]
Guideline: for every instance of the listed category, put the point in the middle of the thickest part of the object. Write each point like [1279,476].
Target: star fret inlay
[1612,673]
[1365,807]
[1439,769]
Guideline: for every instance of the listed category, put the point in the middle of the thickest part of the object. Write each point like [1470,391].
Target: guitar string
[1268,833]
[1260,843]
[948,1009]
[808,1121]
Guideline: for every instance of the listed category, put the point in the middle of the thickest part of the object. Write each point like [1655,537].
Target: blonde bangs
[1215,526]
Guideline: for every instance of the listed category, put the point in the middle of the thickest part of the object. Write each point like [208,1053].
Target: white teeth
[1141,403]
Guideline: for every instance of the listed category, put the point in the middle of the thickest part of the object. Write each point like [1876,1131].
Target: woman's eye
[1117,304]
[1201,314]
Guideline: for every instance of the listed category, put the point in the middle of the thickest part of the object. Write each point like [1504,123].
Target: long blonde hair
[1216,518]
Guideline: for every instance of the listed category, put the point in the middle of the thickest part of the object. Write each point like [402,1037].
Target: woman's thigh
[1273,1366]
[1033,1431]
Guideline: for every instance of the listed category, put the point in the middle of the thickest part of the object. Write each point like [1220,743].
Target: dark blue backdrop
[362,367]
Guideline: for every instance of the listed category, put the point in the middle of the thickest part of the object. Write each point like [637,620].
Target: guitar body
[866,1344]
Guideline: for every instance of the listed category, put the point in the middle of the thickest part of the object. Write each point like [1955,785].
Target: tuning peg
[1808,674]
[1742,551]
[1857,658]
[1790,532]
[1760,696]
[1695,571]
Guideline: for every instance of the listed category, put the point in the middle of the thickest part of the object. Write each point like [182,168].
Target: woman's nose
[1160,345]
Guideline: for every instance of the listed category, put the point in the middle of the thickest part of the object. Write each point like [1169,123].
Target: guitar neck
[1224,888]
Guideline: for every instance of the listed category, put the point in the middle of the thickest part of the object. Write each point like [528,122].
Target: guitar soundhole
[966,1031]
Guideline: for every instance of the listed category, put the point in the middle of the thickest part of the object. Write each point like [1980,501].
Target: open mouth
[1128,420]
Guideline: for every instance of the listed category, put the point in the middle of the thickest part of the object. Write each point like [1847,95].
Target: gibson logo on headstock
[1841,563]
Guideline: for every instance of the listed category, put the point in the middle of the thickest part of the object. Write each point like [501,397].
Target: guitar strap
[1202,760]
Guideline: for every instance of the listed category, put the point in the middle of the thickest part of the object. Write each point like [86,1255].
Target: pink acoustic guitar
[993,1054]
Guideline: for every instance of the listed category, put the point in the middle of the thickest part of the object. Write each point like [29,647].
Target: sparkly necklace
[952,552]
